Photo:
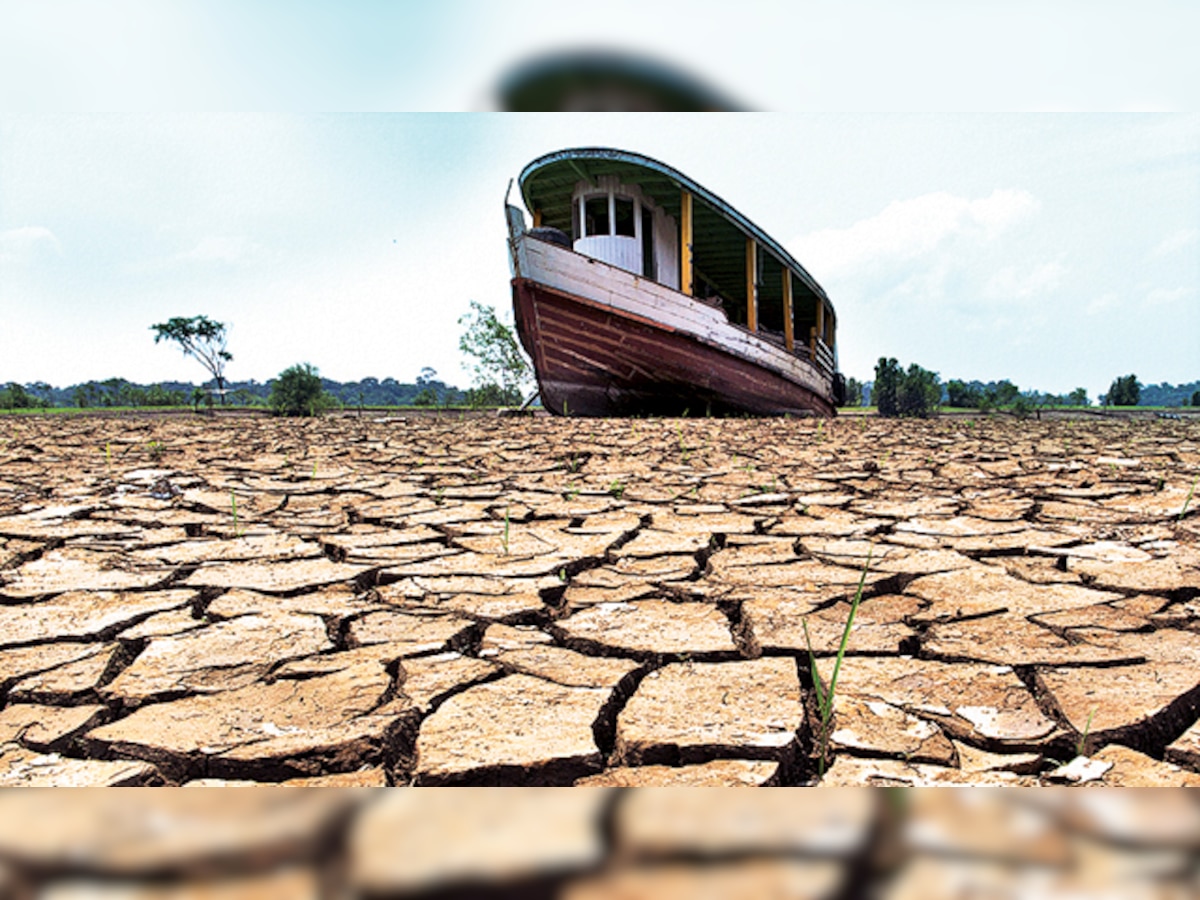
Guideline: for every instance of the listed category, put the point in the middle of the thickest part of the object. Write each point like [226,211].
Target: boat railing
[822,355]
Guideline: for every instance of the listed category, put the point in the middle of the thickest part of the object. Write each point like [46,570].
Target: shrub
[963,395]
[492,394]
[298,392]
[1022,407]
[1196,399]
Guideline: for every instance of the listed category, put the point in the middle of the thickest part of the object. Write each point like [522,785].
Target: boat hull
[592,359]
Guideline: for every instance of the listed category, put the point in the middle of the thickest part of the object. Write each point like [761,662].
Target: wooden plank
[537,218]
[685,240]
[789,327]
[600,363]
[751,285]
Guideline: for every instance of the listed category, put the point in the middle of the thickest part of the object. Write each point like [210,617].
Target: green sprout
[237,532]
[1188,501]
[505,539]
[825,695]
[1082,745]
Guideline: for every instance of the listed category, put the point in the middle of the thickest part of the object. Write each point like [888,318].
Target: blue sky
[1056,249]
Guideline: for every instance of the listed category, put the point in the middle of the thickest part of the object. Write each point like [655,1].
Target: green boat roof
[718,229]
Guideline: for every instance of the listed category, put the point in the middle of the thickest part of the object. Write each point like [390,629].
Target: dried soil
[535,600]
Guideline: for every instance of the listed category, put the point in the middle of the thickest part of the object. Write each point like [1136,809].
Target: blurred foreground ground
[664,843]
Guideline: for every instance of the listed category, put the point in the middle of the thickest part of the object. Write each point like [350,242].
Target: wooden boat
[639,292]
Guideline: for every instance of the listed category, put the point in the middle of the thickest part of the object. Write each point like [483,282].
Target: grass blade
[862,580]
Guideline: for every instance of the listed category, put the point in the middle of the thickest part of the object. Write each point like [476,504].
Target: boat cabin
[642,216]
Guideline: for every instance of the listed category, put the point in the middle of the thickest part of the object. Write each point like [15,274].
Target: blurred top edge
[605,80]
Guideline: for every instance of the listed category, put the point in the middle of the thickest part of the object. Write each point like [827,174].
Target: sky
[983,219]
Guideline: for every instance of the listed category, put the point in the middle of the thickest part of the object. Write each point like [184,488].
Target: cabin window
[623,217]
[575,232]
[595,212]
[649,269]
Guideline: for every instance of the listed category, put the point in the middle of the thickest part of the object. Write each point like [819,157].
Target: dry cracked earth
[360,601]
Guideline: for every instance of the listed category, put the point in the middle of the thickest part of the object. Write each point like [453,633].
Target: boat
[636,291]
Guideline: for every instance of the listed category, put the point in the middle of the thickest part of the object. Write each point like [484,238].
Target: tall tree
[887,386]
[496,355]
[1124,391]
[201,338]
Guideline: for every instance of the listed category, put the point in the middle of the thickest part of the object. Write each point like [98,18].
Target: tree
[919,393]
[887,386]
[496,356]
[1124,391]
[202,338]
[490,395]
[298,392]
[962,395]
[854,392]
[1078,397]
[426,397]
[1005,393]
[15,397]
[1196,399]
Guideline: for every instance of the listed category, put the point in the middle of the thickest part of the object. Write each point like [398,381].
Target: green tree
[490,395]
[1196,399]
[887,386]
[962,395]
[298,392]
[496,356]
[1078,397]
[15,397]
[919,394]
[1124,391]
[201,338]
[1004,393]
[854,392]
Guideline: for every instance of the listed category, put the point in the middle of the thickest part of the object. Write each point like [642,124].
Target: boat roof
[548,182]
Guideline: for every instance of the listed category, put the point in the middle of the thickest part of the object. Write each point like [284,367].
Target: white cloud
[22,245]
[1165,296]
[220,248]
[1102,304]
[909,229]
[1176,241]
[1011,283]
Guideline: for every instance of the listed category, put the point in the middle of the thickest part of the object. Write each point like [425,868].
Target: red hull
[592,360]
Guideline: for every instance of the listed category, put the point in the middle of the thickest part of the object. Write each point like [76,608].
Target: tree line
[501,375]
[918,392]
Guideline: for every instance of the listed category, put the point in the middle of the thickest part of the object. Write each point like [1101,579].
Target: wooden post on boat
[789,327]
[751,287]
[685,242]
[537,218]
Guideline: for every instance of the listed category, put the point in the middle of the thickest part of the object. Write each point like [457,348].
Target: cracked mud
[508,601]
